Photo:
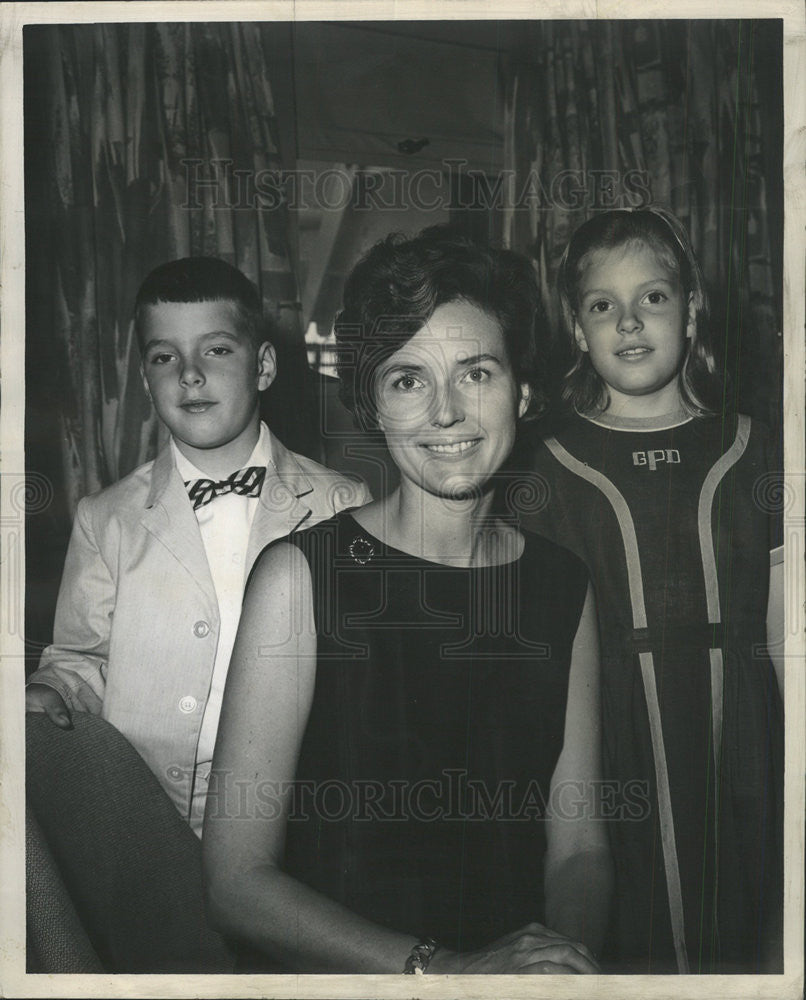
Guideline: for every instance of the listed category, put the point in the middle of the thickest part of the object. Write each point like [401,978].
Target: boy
[154,575]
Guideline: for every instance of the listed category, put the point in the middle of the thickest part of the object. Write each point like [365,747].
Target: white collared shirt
[224,524]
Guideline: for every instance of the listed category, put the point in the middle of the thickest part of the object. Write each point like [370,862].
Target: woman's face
[447,402]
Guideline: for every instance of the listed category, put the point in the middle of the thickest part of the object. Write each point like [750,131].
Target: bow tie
[244,482]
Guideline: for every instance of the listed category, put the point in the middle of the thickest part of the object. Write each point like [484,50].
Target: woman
[409,743]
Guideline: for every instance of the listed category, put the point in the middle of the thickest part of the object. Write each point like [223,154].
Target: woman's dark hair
[658,229]
[399,283]
[203,279]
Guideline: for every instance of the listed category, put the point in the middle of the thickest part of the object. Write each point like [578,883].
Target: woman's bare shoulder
[277,563]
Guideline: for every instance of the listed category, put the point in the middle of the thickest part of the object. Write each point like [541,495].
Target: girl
[409,743]
[654,489]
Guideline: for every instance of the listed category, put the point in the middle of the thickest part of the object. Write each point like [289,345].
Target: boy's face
[204,374]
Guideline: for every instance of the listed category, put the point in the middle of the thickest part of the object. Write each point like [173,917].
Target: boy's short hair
[399,283]
[203,279]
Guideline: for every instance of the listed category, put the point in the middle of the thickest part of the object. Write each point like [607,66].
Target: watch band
[421,955]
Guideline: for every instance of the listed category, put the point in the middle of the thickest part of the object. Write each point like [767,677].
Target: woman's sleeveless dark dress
[436,725]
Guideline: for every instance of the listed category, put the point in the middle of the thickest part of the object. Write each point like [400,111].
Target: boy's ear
[691,322]
[526,398]
[266,365]
[579,336]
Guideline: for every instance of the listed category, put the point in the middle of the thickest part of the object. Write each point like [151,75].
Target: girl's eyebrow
[649,281]
[152,344]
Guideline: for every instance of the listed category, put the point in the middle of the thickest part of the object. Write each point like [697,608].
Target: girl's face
[633,319]
[447,402]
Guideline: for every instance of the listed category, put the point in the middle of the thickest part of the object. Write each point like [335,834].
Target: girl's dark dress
[673,517]
[436,725]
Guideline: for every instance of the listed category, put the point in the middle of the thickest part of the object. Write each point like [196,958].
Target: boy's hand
[41,698]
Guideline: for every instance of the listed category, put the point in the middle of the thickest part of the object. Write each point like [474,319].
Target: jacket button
[201,629]
[174,773]
[187,704]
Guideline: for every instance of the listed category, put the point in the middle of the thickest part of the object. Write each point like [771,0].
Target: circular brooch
[361,549]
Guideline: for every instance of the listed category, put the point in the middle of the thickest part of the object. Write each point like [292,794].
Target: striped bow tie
[244,482]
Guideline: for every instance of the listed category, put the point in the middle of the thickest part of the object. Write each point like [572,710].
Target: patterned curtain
[615,114]
[146,142]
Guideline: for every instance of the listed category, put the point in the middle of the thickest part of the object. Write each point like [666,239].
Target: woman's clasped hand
[532,950]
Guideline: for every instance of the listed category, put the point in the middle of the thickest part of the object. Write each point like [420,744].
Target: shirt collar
[261,455]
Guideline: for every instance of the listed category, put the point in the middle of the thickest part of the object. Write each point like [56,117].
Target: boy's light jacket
[137,623]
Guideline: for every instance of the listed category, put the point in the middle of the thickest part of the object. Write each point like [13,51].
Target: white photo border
[14,981]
